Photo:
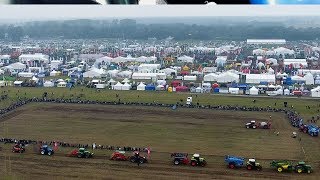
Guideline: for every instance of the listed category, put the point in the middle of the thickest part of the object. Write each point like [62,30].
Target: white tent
[17,66]
[227,77]
[221,60]
[315,92]
[48,84]
[111,82]
[283,51]
[257,78]
[125,74]
[190,78]
[185,59]
[91,74]
[309,79]
[169,71]
[234,90]
[118,86]
[35,79]
[161,82]
[286,92]
[298,78]
[160,87]
[113,73]
[141,87]
[54,73]
[126,87]
[137,75]
[253,91]
[198,90]
[210,77]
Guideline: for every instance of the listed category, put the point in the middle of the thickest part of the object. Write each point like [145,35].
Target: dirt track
[31,165]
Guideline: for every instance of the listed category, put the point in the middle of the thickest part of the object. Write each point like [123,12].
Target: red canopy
[175,83]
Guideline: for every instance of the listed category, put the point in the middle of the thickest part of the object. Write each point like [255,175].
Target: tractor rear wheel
[259,168]
[232,166]
[193,163]
[249,167]
[309,171]
[280,169]
[79,156]
[176,162]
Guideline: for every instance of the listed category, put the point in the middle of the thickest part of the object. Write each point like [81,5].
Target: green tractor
[196,160]
[282,166]
[81,153]
[302,167]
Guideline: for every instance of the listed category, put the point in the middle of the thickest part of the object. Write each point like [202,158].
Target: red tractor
[180,158]
[119,156]
[18,148]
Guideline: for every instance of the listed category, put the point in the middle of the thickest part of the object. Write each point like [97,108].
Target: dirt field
[213,134]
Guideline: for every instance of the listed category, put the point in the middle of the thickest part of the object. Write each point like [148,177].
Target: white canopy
[253,91]
[126,87]
[227,77]
[48,84]
[118,86]
[141,87]
[315,92]
[309,79]
[17,65]
[257,78]
[185,59]
[126,80]
[210,77]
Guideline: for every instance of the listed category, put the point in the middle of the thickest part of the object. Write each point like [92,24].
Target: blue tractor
[234,161]
[313,130]
[46,150]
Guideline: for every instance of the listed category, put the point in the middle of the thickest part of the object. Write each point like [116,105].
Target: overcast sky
[68,11]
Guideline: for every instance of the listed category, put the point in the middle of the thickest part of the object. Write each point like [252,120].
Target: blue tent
[150,87]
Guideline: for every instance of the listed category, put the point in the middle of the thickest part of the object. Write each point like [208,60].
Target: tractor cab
[251,124]
[302,167]
[46,150]
[196,160]
[252,164]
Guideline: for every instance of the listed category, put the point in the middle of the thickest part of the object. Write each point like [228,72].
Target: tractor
[119,156]
[255,125]
[196,160]
[302,167]
[311,129]
[282,165]
[46,150]
[251,125]
[180,158]
[81,153]
[136,158]
[265,125]
[253,165]
[18,148]
[234,161]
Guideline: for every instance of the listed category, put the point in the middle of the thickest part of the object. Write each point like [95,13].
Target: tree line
[130,29]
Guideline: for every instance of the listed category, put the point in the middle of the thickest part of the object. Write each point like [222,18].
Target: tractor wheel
[232,166]
[193,163]
[247,127]
[299,171]
[259,168]
[254,127]
[204,163]
[42,152]
[249,167]
[79,156]
[176,162]
[132,159]
[141,160]
[49,153]
[309,171]
[279,169]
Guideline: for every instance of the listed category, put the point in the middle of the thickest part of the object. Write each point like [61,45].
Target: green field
[299,104]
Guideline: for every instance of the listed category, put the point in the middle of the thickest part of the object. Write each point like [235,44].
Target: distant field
[208,132]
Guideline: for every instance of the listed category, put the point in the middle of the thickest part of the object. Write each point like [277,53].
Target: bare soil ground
[211,133]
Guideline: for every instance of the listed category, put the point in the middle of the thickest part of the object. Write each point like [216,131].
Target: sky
[43,12]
